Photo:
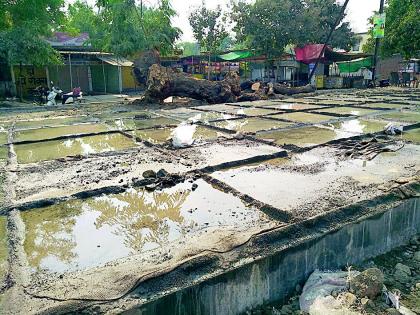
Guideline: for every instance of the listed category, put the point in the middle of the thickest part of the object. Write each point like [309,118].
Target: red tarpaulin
[310,53]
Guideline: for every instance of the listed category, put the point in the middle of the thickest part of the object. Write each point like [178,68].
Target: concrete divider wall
[274,278]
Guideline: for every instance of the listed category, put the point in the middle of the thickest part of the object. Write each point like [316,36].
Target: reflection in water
[78,234]
[34,152]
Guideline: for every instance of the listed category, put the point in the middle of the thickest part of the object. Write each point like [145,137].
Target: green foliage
[209,27]
[23,24]
[402,28]
[123,27]
[269,26]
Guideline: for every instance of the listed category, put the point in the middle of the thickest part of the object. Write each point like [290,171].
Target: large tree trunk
[286,90]
[164,82]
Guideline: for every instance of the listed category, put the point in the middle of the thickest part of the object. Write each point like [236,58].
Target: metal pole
[328,39]
[103,73]
[71,76]
[375,56]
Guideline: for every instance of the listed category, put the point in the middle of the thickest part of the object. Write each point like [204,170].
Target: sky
[358,12]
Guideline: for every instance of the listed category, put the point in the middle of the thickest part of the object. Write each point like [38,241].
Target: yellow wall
[31,78]
[128,80]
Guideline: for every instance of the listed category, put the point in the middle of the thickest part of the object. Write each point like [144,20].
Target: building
[94,72]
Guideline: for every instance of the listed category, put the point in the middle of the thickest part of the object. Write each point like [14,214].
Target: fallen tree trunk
[286,90]
[163,82]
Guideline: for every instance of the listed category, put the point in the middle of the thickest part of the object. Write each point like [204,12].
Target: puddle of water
[349,111]
[412,135]
[49,150]
[161,135]
[286,188]
[209,116]
[335,102]
[57,121]
[235,110]
[304,117]
[250,124]
[358,126]
[412,117]
[3,138]
[306,136]
[3,247]
[383,105]
[295,106]
[221,108]
[4,151]
[252,111]
[124,124]
[155,136]
[53,132]
[79,234]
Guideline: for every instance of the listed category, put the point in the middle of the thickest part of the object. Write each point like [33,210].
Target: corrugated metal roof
[116,61]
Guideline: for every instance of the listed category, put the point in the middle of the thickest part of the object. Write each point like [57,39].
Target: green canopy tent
[236,55]
[355,65]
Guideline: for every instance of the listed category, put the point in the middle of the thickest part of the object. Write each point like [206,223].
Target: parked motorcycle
[75,96]
[53,95]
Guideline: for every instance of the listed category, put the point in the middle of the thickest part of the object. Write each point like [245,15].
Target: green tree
[123,27]
[189,48]
[269,26]
[23,25]
[209,28]
[402,30]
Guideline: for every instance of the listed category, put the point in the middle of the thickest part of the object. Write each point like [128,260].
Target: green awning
[236,55]
[355,65]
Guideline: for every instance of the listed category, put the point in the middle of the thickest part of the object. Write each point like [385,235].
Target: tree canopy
[209,27]
[23,25]
[402,30]
[123,27]
[269,25]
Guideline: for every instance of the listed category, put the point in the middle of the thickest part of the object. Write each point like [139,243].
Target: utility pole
[328,39]
[377,42]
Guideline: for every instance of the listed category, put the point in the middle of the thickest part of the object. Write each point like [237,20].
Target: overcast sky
[358,11]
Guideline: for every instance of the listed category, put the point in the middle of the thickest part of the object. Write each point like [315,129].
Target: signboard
[379,25]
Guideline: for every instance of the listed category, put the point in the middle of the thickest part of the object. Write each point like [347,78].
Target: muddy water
[412,135]
[3,247]
[412,117]
[53,122]
[161,135]
[301,181]
[304,117]
[295,106]
[4,151]
[235,110]
[49,150]
[306,136]
[81,234]
[124,124]
[250,124]
[384,105]
[3,138]
[334,102]
[358,126]
[53,132]
[349,111]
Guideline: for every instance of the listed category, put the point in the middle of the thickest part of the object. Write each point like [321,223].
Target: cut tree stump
[163,82]
[286,90]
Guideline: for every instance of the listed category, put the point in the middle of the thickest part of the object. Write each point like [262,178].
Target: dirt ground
[90,192]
